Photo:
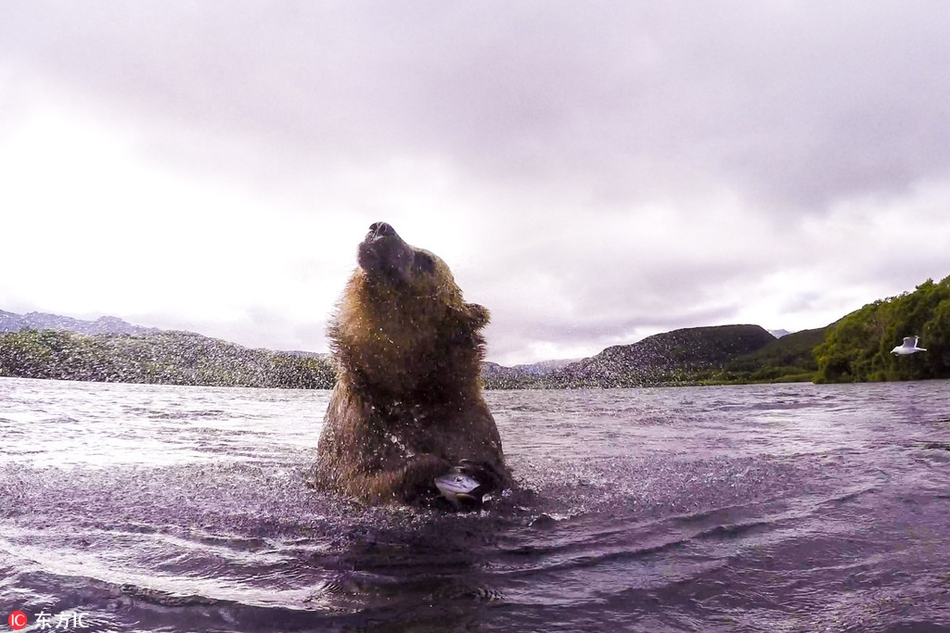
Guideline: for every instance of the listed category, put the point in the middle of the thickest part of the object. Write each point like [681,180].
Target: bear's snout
[381,229]
[383,254]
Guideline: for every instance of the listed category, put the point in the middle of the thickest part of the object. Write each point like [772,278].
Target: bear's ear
[477,316]
[425,262]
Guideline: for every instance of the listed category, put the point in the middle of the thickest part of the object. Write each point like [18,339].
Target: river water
[757,508]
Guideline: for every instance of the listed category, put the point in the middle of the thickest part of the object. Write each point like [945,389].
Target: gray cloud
[797,105]
[616,167]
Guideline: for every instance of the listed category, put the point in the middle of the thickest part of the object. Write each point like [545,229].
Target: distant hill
[685,356]
[789,358]
[108,349]
[12,322]
[526,376]
[544,366]
[679,356]
[41,345]
[854,348]
[858,346]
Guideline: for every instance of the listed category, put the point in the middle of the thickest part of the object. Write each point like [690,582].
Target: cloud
[793,104]
[592,174]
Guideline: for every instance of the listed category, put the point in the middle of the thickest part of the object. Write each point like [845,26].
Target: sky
[593,173]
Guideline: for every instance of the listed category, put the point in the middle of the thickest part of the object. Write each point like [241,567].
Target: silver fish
[463,486]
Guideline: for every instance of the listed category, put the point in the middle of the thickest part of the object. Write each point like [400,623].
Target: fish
[467,486]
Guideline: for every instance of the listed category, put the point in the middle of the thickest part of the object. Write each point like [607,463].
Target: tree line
[858,347]
[168,357]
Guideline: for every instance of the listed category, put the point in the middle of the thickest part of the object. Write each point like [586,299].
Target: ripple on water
[795,508]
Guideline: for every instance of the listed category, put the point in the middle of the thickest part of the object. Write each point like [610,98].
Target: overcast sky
[593,172]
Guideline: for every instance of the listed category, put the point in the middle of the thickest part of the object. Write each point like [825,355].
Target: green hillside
[685,356]
[165,357]
[858,347]
[855,348]
[788,359]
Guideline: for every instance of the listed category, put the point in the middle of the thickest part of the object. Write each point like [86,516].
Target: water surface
[783,508]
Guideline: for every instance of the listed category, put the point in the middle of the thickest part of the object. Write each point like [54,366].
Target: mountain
[12,322]
[674,357]
[854,348]
[162,357]
[789,358]
[704,355]
[526,376]
[545,366]
[42,345]
[684,356]
[858,346]
[38,345]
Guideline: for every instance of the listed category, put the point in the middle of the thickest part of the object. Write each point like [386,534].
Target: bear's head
[402,325]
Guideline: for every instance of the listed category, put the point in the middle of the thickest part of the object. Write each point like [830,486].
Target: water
[761,508]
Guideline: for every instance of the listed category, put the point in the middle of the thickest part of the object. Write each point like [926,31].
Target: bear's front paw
[419,476]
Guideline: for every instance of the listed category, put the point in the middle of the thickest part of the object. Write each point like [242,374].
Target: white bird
[909,346]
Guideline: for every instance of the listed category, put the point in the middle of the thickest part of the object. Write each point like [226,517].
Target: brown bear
[407,405]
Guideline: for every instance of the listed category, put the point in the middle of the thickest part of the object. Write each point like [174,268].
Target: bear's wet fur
[407,405]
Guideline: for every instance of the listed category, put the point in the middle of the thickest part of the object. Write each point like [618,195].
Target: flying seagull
[909,346]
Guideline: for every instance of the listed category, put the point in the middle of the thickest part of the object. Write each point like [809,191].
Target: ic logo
[17,620]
